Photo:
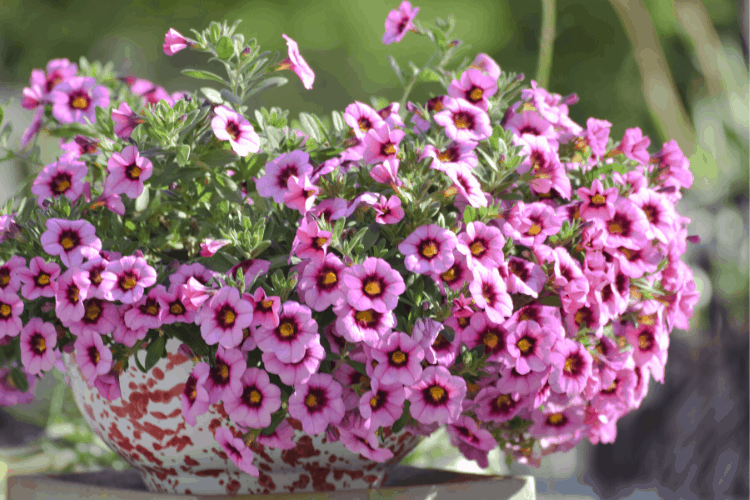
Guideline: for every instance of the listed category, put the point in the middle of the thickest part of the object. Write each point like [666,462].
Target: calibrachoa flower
[237,451]
[317,403]
[390,211]
[481,244]
[223,380]
[38,341]
[474,87]
[490,293]
[529,347]
[274,182]
[209,247]
[92,356]
[174,42]
[10,394]
[364,442]
[127,171]
[296,373]
[398,22]
[381,143]
[463,121]
[223,317]
[472,441]
[72,290]
[495,405]
[125,121]
[437,396]
[361,118]
[321,282]
[38,279]
[367,326]
[127,278]
[382,405]
[57,71]
[98,316]
[297,64]
[399,359]
[76,98]
[11,308]
[73,241]
[295,331]
[571,367]
[373,285]
[428,249]
[233,127]
[194,395]
[63,177]
[257,401]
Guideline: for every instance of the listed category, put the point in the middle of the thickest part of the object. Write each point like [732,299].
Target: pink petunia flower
[38,279]
[467,185]
[295,332]
[428,249]
[597,134]
[280,439]
[598,203]
[186,271]
[209,247]
[529,225]
[92,356]
[71,240]
[437,397]
[463,121]
[257,401]
[224,377]
[223,317]
[233,127]
[472,441]
[127,278]
[364,442]
[237,451]
[126,335]
[373,285]
[627,228]
[57,71]
[98,316]
[634,145]
[387,173]
[300,194]
[265,308]
[174,42]
[490,293]
[75,100]
[94,268]
[571,367]
[38,341]
[368,326]
[660,213]
[528,347]
[194,395]
[455,153]
[174,309]
[492,336]
[63,177]
[297,64]
[80,145]
[321,282]
[361,118]
[11,273]
[11,308]
[523,276]
[482,245]
[557,424]
[398,22]
[382,405]
[147,312]
[494,405]
[317,403]
[388,211]
[299,372]
[381,143]
[125,120]
[390,115]
[10,395]
[474,87]
[33,129]
[274,182]
[127,172]
[399,359]
[486,64]
[72,290]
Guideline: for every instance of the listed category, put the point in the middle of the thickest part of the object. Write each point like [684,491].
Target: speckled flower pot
[146,428]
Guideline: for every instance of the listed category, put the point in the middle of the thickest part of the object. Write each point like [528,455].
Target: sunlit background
[677,69]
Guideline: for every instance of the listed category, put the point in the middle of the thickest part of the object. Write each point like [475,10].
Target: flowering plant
[491,265]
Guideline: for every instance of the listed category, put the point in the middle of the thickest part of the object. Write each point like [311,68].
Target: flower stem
[546,42]
[413,80]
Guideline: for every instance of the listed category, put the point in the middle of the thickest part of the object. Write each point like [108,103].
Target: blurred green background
[677,69]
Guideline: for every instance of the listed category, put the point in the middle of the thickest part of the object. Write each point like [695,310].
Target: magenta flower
[556,424]
[438,350]
[38,280]
[125,120]
[57,71]
[195,270]
[38,341]
[390,115]
[256,402]
[265,308]
[80,145]
[321,282]
[281,439]
[398,22]
[94,268]
[490,293]
[598,203]
[455,153]
[361,118]
[127,278]
[174,42]
[628,226]
[474,87]
[382,405]
[486,64]
[310,241]
[147,312]
[467,185]
[72,290]
[224,377]
[98,317]
[363,442]
[428,249]
[529,225]
[368,326]
[300,194]
[233,127]
[194,395]
[295,332]
[381,143]
[455,276]
[251,269]
[127,171]
[317,403]
[11,273]
[75,100]
[386,173]
[174,309]
[388,212]
[10,395]
[482,245]
[296,63]
[472,441]
[494,405]
[108,385]
[463,121]
[634,145]
[437,397]
[223,317]
[125,335]
[571,367]
[399,359]
[523,277]
[71,240]
[11,308]
[529,347]
[660,213]
[597,134]
[92,356]
[274,182]
[63,177]
[493,336]
[373,285]
[299,372]
[237,450]
[209,247]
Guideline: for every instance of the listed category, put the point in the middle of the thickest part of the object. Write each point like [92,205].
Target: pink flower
[233,127]
[490,293]
[390,115]
[398,22]
[388,212]
[381,143]
[300,193]
[628,226]
[57,71]
[494,405]
[92,356]
[634,145]
[321,282]
[281,439]
[224,377]
[386,173]
[147,312]
[317,403]
[523,276]
[174,42]
[437,396]
[474,87]
[310,241]
[11,308]
[367,326]
[571,367]
[72,289]
[295,332]
[257,401]
[125,335]
[597,134]
[463,121]
[299,372]
[556,424]
[127,278]
[482,245]
[399,359]
[94,269]
[265,308]
[296,63]
[108,385]
[235,448]
[223,317]
[528,347]
[455,153]
[373,285]
[529,225]
[493,336]
[127,171]
[195,270]
[209,247]
[9,393]
[660,213]
[76,98]
[98,316]
[428,249]
[71,240]
[274,182]
[39,278]
[598,203]
[467,185]
[382,405]
[472,441]
[173,307]
[80,145]
[125,120]
[63,177]
[364,442]
[194,395]
[361,118]
[251,269]
[486,64]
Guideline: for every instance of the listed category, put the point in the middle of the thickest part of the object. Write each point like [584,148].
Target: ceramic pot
[146,428]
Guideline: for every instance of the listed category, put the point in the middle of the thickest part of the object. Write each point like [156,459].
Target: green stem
[546,42]
[413,80]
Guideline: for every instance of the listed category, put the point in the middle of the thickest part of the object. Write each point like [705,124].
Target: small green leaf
[396,69]
[141,203]
[204,75]
[219,157]
[225,47]
[448,333]
[399,424]
[19,379]
[276,420]
[155,351]
[550,300]
[183,153]
[212,94]
[359,367]
[470,214]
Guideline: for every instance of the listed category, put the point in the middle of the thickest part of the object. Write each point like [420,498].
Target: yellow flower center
[67,243]
[570,365]
[93,311]
[534,230]
[398,357]
[61,186]
[490,340]
[364,316]
[437,393]
[463,321]
[364,125]
[644,342]
[224,371]
[647,319]
[128,283]
[503,400]
[152,309]
[255,396]
[321,241]
[176,308]
[267,304]
[555,418]
[524,345]
[372,288]
[615,228]
[330,278]
[80,103]
[374,401]
[598,200]
[42,279]
[135,172]
[40,345]
[580,316]
[5,310]
[286,330]
[389,149]
[429,250]
[449,275]
[311,401]
[228,317]
[461,122]
[446,156]
[476,248]
[476,94]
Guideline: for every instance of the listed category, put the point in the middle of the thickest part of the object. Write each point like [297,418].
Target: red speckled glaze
[146,428]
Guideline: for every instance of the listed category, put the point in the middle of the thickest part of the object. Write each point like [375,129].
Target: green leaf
[338,122]
[310,126]
[470,214]
[225,47]
[448,333]
[183,153]
[204,75]
[141,203]
[228,96]
[429,75]
[399,424]
[276,420]
[19,379]
[155,351]
[212,94]
[275,81]
[219,157]
[550,300]
[396,69]
[359,367]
